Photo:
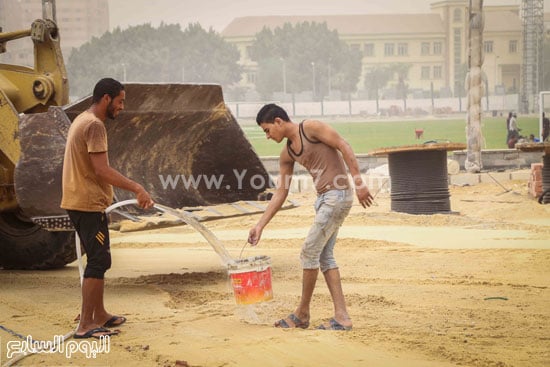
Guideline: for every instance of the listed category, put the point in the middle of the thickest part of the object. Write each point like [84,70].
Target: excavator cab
[179,141]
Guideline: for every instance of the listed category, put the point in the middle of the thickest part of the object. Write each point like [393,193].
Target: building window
[438,72]
[513,47]
[248,50]
[425,72]
[389,49]
[457,46]
[457,15]
[488,47]
[425,48]
[369,49]
[438,48]
[402,49]
[457,62]
[355,46]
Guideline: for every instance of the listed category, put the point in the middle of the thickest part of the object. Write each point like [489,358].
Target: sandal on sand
[297,323]
[114,321]
[334,325]
[90,333]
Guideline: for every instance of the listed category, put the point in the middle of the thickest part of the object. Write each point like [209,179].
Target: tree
[401,88]
[298,57]
[379,76]
[207,57]
[347,77]
[376,79]
[146,54]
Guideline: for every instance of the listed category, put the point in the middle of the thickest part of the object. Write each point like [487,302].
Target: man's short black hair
[270,112]
[105,86]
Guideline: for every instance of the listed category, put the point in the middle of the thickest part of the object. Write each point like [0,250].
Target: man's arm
[106,173]
[286,168]
[326,134]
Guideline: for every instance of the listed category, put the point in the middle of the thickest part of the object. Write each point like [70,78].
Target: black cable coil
[419,182]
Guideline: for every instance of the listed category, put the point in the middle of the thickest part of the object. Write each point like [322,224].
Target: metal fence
[495,105]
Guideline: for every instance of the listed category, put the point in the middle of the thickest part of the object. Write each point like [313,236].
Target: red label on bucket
[253,286]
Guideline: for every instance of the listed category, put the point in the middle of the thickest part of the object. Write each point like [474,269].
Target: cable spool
[418,175]
[419,182]
[546,179]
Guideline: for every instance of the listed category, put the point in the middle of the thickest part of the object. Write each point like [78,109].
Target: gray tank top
[324,163]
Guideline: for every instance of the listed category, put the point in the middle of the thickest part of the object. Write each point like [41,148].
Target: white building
[435,44]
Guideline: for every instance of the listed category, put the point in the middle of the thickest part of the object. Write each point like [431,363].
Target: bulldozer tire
[25,245]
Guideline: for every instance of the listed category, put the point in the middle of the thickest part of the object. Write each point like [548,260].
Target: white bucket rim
[254,263]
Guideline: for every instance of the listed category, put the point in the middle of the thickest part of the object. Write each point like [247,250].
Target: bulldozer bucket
[178,140]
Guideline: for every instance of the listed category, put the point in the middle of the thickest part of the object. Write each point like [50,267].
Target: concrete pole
[474,83]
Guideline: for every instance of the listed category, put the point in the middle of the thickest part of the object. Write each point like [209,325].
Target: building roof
[345,24]
[502,21]
[496,20]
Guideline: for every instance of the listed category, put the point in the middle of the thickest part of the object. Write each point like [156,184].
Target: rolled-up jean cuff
[330,267]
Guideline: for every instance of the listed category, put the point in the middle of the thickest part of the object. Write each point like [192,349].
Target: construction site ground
[469,288]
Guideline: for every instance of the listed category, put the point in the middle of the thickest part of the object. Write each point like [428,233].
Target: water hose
[185,216]
[53,347]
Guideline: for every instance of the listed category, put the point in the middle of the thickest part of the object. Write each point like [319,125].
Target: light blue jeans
[331,208]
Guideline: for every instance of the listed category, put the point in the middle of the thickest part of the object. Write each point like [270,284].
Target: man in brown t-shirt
[88,182]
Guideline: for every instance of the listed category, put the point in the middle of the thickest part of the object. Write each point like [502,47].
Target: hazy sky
[219,13]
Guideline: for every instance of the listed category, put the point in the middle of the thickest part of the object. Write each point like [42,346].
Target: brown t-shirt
[82,189]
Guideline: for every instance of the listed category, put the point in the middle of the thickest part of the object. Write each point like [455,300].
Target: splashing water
[218,247]
[262,313]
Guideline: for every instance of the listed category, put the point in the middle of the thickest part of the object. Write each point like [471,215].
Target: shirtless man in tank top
[325,154]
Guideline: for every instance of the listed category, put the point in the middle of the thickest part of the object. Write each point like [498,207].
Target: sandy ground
[466,289]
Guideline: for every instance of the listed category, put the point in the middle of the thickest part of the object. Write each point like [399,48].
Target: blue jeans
[331,208]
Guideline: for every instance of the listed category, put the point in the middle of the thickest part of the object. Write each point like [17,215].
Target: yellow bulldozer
[168,138]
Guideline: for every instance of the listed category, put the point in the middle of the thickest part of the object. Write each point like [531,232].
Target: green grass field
[365,136]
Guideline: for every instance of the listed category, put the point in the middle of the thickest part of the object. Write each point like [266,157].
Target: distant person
[325,154]
[513,131]
[88,182]
[545,127]
[508,127]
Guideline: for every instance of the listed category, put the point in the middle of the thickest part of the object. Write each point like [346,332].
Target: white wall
[416,107]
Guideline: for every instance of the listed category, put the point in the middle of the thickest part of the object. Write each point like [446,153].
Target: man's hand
[144,199]
[254,235]
[364,195]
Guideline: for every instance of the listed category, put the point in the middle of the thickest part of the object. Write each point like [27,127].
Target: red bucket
[251,280]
